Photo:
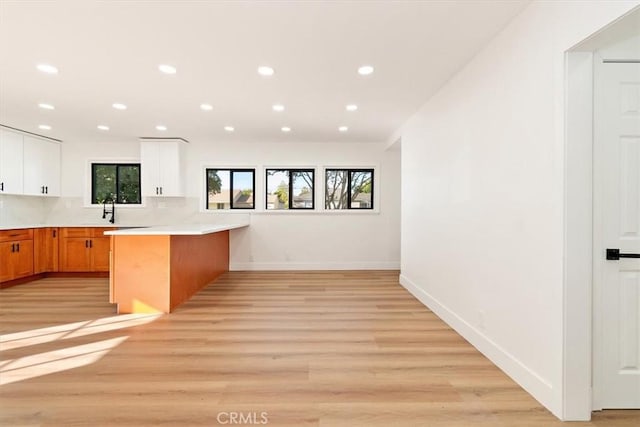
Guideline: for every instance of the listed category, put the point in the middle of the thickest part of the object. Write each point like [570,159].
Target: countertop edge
[176,230]
[24,226]
[139,230]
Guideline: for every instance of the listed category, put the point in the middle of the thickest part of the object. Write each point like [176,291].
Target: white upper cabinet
[11,162]
[28,165]
[162,163]
[41,167]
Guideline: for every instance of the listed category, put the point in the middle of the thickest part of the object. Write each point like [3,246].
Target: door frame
[577,343]
[580,360]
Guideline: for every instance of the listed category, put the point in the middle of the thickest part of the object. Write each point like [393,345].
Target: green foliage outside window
[118,182]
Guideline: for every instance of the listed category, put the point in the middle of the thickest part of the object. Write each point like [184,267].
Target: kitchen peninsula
[155,269]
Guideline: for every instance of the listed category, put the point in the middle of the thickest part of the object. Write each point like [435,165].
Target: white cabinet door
[34,161]
[162,168]
[150,164]
[41,167]
[171,170]
[52,168]
[11,162]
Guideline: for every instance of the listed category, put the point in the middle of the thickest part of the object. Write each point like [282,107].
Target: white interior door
[617,214]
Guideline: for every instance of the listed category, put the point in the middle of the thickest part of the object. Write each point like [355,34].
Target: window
[348,189]
[119,182]
[290,189]
[230,189]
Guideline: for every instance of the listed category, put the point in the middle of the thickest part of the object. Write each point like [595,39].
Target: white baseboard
[535,385]
[270,266]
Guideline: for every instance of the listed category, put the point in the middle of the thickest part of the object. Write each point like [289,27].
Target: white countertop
[176,230]
[23,226]
[137,230]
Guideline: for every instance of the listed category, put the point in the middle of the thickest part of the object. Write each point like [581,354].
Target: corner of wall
[535,385]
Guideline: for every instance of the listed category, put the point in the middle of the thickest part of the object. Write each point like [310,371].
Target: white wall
[483,194]
[293,240]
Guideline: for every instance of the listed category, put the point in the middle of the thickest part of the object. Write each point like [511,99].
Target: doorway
[601,362]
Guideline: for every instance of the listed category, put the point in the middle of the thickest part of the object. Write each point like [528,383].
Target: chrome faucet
[111,211]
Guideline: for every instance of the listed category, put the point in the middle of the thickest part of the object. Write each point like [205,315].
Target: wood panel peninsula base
[155,269]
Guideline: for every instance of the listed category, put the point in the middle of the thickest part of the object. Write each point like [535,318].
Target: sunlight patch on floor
[72,330]
[49,362]
[56,361]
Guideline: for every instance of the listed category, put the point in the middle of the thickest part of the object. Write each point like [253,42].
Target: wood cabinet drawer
[99,231]
[14,235]
[86,232]
[75,232]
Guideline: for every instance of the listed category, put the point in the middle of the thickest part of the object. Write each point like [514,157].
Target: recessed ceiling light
[47,68]
[278,107]
[119,106]
[365,70]
[44,127]
[285,129]
[206,107]
[351,107]
[161,128]
[229,128]
[343,128]
[266,71]
[46,106]
[103,127]
[167,69]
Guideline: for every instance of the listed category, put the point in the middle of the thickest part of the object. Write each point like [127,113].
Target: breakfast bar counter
[155,269]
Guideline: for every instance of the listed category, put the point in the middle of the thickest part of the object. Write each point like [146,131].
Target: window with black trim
[118,182]
[230,189]
[290,189]
[348,189]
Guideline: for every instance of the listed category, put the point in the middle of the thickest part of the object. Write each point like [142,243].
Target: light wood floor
[308,349]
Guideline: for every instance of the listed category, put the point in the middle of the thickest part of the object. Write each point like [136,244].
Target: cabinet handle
[1,186]
[86,243]
[13,247]
[17,247]
[90,243]
[54,233]
[46,190]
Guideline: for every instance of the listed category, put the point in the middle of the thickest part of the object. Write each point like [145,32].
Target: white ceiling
[110,51]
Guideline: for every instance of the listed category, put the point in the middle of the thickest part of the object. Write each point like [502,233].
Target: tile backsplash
[21,210]
[17,210]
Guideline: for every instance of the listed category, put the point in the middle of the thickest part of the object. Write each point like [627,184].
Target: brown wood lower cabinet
[16,253]
[31,253]
[45,250]
[100,247]
[84,249]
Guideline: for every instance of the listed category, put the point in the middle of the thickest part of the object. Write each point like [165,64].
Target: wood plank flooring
[299,348]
